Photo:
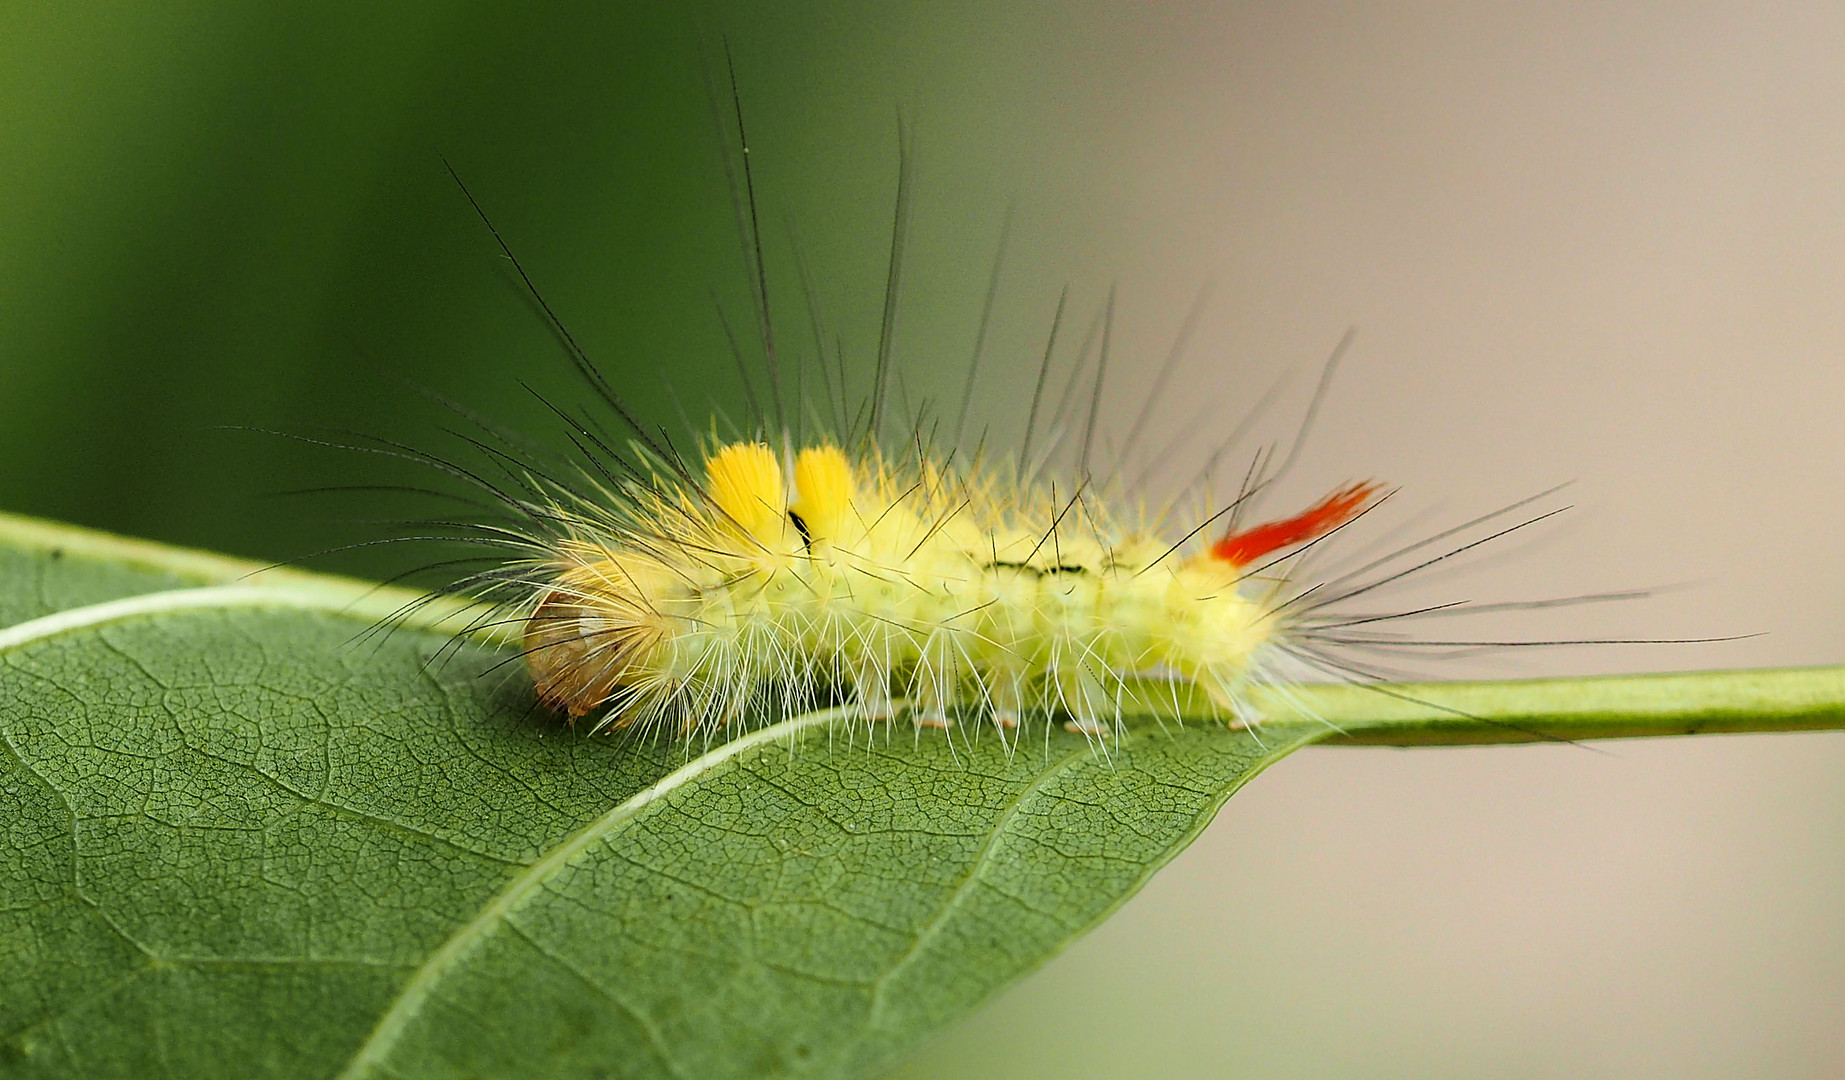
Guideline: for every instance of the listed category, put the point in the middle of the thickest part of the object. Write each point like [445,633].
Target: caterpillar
[769,574]
[877,580]
[655,594]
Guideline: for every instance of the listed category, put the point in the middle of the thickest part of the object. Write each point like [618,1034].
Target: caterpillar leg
[872,695]
[1242,715]
[930,710]
[1092,709]
[1005,696]
[933,717]
[932,689]
[875,708]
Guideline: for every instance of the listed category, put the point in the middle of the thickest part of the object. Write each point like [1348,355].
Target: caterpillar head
[600,636]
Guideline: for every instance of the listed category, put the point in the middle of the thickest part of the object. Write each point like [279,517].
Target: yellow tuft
[824,488]
[745,481]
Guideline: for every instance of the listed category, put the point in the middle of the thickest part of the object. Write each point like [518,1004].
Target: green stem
[1547,710]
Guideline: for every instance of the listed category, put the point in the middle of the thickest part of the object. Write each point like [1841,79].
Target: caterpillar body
[773,577]
[873,581]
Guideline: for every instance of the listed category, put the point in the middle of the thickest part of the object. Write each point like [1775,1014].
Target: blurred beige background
[1601,243]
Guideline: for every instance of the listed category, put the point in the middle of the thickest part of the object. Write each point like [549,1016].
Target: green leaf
[244,836]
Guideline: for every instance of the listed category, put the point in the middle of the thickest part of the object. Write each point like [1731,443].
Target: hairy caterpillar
[772,574]
[876,580]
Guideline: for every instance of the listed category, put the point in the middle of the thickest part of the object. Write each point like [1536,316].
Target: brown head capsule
[596,637]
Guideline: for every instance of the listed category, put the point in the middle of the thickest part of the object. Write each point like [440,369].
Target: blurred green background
[238,215]
[1601,242]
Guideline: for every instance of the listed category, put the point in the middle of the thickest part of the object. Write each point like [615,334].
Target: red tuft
[1243,548]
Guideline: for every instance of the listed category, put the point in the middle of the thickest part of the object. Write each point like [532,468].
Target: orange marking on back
[1243,548]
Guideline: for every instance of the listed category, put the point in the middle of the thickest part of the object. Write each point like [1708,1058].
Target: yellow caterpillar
[765,589]
[662,596]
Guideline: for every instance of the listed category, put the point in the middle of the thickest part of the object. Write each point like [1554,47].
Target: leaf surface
[242,836]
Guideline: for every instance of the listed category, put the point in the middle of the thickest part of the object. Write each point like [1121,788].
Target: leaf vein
[641,1021]
[373,1053]
[966,887]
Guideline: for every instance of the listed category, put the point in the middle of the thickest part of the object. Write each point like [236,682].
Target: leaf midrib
[213,597]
